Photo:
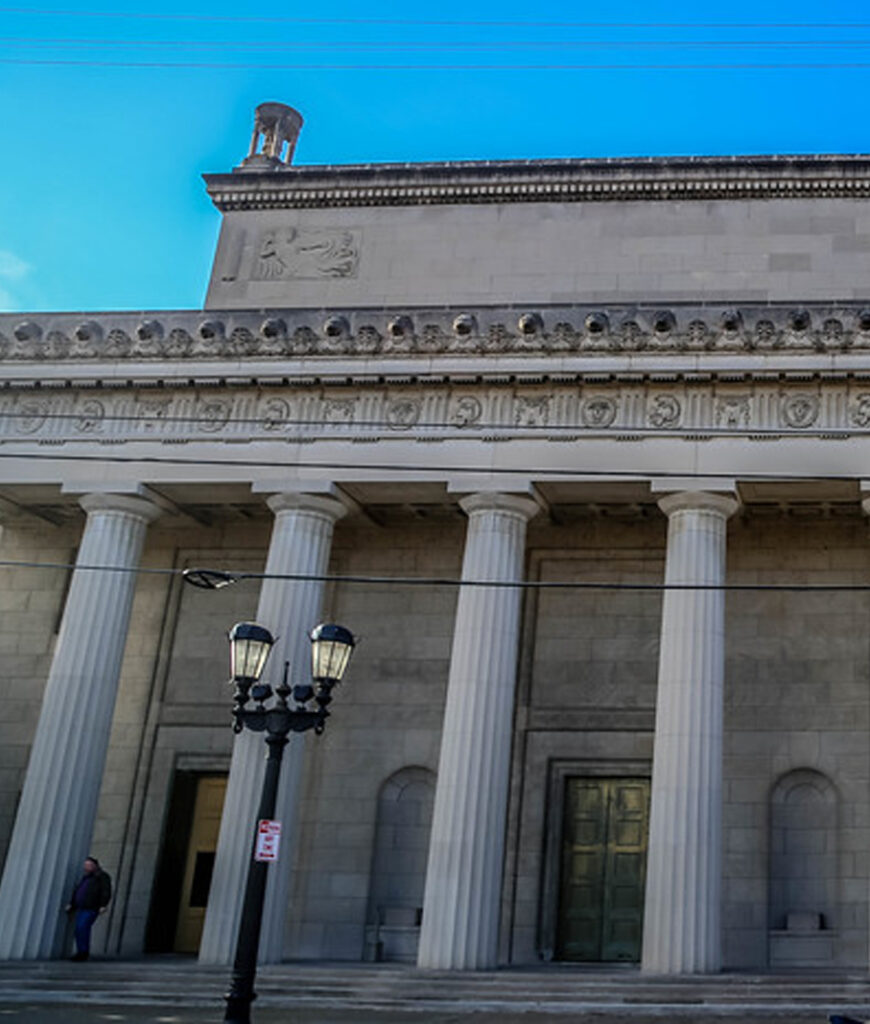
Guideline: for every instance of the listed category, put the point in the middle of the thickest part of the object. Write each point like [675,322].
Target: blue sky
[102,205]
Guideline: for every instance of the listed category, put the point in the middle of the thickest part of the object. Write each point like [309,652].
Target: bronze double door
[603,869]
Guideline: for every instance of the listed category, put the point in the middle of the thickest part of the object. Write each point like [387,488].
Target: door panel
[605,827]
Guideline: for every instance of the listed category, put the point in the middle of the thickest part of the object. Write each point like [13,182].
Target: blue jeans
[84,922]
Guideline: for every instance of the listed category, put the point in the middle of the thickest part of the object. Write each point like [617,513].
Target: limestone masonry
[633,396]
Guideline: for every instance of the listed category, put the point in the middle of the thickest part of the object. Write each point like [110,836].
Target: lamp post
[250,643]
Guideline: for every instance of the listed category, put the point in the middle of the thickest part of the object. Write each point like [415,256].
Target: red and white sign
[268,840]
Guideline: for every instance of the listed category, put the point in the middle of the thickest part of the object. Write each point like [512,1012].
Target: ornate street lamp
[250,643]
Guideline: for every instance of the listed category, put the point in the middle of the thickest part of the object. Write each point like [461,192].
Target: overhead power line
[405,44]
[429,22]
[430,469]
[258,66]
[453,581]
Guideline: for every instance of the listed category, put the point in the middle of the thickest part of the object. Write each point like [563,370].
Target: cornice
[652,178]
[359,345]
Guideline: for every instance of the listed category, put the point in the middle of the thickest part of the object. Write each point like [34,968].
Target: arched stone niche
[803,869]
[398,875]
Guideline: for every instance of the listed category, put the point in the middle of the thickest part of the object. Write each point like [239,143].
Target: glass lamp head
[331,648]
[250,644]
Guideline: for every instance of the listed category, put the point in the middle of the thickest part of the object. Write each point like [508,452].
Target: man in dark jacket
[89,899]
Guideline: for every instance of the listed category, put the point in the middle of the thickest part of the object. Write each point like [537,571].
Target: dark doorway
[186,861]
[603,869]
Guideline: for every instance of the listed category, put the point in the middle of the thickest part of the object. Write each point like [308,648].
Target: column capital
[700,501]
[301,501]
[500,501]
[131,504]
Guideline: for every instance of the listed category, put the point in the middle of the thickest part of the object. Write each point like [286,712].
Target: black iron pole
[241,993]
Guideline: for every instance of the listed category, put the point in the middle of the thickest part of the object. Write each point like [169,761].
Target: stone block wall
[642,251]
[387,716]
[797,698]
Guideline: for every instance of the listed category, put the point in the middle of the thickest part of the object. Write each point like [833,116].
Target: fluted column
[58,804]
[300,544]
[681,932]
[466,848]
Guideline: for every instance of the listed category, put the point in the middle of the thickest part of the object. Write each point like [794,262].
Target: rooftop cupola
[276,129]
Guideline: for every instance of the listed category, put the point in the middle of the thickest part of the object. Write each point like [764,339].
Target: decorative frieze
[437,410]
[554,331]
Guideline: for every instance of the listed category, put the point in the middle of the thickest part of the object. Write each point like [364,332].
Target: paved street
[29,1013]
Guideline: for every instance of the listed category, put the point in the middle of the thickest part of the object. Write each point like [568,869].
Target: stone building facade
[579,449]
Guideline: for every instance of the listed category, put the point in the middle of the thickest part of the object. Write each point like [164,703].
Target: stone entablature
[764,329]
[496,181]
[433,410]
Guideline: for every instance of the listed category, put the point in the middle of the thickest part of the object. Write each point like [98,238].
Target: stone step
[181,982]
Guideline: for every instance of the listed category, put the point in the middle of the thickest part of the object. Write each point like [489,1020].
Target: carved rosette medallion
[403,413]
[213,415]
[30,416]
[598,412]
[800,411]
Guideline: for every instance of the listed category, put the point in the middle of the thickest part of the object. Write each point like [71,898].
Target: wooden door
[603,871]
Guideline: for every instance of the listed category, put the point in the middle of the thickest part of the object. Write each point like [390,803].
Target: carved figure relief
[118,344]
[733,411]
[276,413]
[532,412]
[151,411]
[800,410]
[302,341]
[833,334]
[860,414]
[367,341]
[698,334]
[598,412]
[285,254]
[467,411]
[498,338]
[91,416]
[664,411]
[767,335]
[338,410]
[631,336]
[563,336]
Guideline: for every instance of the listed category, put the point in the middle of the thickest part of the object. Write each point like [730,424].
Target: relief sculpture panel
[287,254]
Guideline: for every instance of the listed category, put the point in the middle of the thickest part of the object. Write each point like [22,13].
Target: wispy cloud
[13,270]
[12,267]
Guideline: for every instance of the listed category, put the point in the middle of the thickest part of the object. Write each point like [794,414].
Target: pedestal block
[466,850]
[58,804]
[681,932]
[300,544]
